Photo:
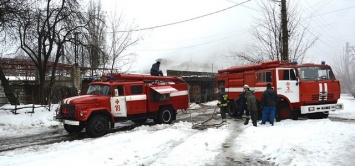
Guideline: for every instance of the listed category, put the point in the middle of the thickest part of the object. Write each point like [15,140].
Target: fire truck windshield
[316,73]
[99,90]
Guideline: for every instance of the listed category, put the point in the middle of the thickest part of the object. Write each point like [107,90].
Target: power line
[164,25]
[193,45]
[332,11]
[204,37]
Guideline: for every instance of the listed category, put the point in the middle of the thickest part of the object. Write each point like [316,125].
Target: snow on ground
[301,142]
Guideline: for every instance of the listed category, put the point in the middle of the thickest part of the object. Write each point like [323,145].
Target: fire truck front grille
[317,97]
[68,109]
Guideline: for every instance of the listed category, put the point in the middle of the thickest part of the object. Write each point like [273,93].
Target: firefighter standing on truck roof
[241,102]
[223,103]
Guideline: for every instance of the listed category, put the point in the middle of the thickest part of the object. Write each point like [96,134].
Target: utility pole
[76,49]
[284,54]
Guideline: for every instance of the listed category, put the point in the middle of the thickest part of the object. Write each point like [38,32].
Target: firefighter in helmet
[223,101]
[241,102]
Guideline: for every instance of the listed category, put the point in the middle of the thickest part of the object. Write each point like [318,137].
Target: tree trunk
[8,90]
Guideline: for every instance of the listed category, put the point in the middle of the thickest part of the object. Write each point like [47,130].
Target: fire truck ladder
[203,125]
[144,78]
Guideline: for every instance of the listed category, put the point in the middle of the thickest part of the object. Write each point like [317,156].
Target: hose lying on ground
[202,125]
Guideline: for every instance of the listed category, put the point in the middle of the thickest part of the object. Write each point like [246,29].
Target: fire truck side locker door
[118,106]
[287,84]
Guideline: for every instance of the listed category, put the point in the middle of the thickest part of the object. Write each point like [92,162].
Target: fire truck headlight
[338,107]
[311,108]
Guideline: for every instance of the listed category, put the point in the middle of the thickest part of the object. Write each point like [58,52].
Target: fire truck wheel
[97,126]
[232,111]
[283,112]
[165,115]
[73,129]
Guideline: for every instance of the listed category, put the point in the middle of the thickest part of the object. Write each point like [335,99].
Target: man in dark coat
[223,103]
[154,71]
[269,101]
[252,108]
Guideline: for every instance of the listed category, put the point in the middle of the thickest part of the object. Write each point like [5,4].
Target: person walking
[154,71]
[269,101]
[241,102]
[223,103]
[252,108]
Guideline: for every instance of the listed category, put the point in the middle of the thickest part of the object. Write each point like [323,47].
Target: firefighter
[241,102]
[252,108]
[223,103]
[269,101]
[154,71]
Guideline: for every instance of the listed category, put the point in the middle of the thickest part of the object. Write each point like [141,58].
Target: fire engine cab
[307,89]
[122,97]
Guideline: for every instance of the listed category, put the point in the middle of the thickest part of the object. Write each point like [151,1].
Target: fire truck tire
[97,126]
[165,116]
[232,111]
[283,112]
[73,129]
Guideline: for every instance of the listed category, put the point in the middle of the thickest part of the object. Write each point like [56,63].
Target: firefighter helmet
[246,86]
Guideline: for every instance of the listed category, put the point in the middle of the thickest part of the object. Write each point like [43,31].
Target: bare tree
[9,12]
[345,70]
[267,31]
[43,34]
[95,37]
[119,42]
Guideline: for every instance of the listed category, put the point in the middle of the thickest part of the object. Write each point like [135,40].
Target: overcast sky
[206,40]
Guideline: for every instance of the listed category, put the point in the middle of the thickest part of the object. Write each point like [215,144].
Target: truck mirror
[116,92]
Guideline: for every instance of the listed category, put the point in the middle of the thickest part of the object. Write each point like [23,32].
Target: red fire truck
[121,97]
[308,89]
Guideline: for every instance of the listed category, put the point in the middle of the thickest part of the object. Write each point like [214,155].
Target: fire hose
[203,125]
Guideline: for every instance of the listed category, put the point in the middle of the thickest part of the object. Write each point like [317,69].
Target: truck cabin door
[287,84]
[118,102]
[136,99]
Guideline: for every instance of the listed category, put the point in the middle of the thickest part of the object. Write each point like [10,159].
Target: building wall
[202,85]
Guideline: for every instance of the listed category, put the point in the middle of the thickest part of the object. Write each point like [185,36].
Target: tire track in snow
[228,155]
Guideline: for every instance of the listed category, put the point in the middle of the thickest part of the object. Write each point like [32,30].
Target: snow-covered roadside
[26,123]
